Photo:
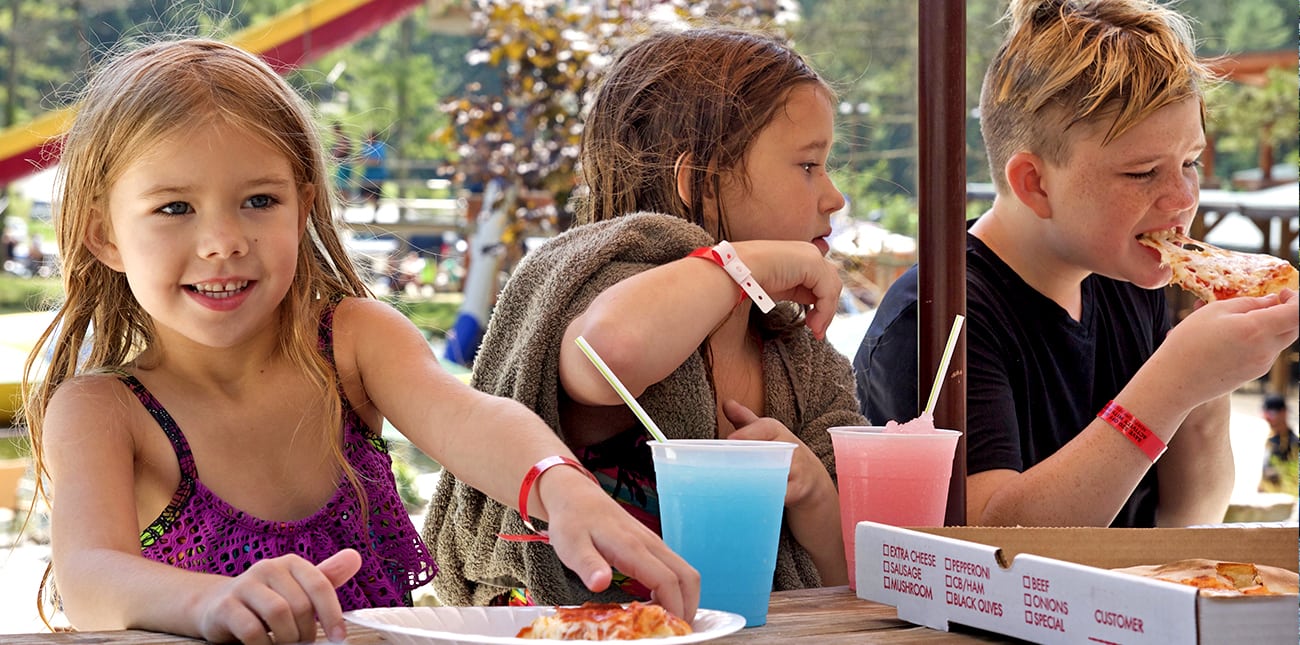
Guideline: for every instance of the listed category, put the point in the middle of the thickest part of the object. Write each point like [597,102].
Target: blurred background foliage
[496,87]
[527,128]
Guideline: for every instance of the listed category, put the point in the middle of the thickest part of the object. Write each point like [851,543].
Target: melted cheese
[1213,273]
[597,621]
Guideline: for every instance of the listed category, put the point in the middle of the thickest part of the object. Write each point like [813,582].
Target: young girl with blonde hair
[209,418]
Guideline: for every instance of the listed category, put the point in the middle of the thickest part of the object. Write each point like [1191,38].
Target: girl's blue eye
[260,201]
[807,167]
[176,208]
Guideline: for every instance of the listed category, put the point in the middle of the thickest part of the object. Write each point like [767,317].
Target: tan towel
[808,386]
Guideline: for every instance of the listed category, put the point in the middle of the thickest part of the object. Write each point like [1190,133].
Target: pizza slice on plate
[1212,273]
[606,621]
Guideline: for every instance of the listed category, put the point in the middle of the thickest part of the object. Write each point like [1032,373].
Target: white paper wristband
[725,254]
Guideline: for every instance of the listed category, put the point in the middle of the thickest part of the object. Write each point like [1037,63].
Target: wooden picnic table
[825,615]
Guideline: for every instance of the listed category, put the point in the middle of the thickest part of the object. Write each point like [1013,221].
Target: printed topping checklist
[935,580]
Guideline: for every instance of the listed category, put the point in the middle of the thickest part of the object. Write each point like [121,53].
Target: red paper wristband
[1136,431]
[526,487]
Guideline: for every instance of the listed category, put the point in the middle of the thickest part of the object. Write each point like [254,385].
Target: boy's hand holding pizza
[1250,316]
[1229,342]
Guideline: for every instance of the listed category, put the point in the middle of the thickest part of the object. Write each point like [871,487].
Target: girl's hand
[811,501]
[808,477]
[590,533]
[797,272]
[279,600]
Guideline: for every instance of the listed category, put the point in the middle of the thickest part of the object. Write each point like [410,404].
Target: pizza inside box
[1055,585]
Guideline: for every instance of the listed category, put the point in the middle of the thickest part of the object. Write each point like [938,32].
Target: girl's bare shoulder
[370,317]
[359,309]
[89,399]
[367,328]
[92,384]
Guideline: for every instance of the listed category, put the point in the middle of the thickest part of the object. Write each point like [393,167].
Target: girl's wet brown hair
[705,93]
[134,101]
[1080,62]
[701,95]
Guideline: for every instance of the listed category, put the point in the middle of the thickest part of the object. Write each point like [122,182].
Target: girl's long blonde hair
[134,101]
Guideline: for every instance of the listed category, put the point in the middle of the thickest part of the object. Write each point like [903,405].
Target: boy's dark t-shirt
[1035,376]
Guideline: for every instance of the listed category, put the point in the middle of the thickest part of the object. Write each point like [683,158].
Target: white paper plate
[450,625]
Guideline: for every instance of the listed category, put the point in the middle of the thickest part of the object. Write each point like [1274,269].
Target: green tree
[869,56]
[391,78]
[1242,25]
[48,45]
[35,37]
[1257,123]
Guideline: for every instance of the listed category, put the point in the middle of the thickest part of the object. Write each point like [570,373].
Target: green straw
[619,387]
[943,364]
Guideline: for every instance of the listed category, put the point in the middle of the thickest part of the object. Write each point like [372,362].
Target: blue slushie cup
[720,505]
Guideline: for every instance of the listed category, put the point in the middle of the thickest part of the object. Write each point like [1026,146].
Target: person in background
[694,138]
[213,450]
[8,246]
[1092,113]
[36,260]
[341,151]
[1281,472]
[406,273]
[374,168]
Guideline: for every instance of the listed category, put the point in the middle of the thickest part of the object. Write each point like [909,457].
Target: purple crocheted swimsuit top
[199,531]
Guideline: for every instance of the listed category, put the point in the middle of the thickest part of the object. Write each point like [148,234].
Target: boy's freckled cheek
[1090,189]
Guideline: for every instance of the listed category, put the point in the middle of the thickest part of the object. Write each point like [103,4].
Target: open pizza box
[1054,585]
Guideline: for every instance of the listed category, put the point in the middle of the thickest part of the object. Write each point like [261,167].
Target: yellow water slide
[294,37]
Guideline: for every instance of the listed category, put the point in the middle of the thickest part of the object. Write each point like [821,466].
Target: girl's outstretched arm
[490,442]
[104,581]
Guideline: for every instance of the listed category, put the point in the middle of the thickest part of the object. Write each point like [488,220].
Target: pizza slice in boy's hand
[1212,273]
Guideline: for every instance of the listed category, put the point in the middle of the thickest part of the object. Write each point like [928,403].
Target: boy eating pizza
[1085,407]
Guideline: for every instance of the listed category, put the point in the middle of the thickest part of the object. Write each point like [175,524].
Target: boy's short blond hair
[1066,63]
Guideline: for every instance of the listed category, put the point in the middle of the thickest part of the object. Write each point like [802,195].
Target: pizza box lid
[1053,585]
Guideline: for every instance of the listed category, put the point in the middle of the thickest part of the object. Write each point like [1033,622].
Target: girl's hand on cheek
[796,272]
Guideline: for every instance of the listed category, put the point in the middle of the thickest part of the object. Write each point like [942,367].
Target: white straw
[621,389]
[939,376]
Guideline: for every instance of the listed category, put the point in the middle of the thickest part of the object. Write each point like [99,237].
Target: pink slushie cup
[895,478]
